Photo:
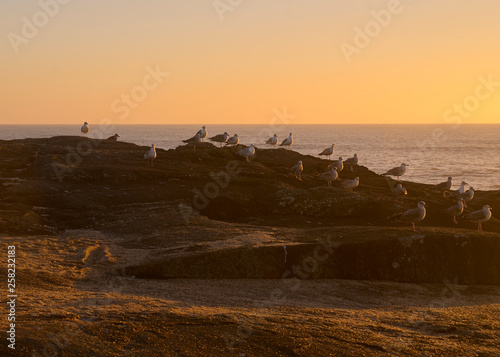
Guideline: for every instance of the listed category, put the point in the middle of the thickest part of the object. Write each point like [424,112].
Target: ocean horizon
[467,152]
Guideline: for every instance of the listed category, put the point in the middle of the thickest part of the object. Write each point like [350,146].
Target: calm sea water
[434,152]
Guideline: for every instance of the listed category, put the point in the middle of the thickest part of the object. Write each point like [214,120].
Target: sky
[238,61]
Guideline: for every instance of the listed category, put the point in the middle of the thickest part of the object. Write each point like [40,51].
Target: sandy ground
[73,301]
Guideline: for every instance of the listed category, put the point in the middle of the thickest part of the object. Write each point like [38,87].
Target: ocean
[468,153]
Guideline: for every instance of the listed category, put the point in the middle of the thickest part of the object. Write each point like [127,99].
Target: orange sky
[236,66]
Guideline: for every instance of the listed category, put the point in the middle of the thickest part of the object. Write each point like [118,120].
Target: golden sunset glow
[237,62]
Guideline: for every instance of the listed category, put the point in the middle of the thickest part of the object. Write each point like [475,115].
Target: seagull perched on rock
[397,171]
[456,210]
[233,140]
[194,140]
[412,216]
[352,161]
[113,138]
[329,176]
[460,190]
[220,138]
[467,195]
[443,186]
[297,170]
[203,134]
[150,155]
[85,128]
[400,192]
[339,164]
[247,152]
[478,217]
[350,184]
[272,140]
[288,141]
[328,151]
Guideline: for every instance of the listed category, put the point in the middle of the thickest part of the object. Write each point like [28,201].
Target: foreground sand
[73,302]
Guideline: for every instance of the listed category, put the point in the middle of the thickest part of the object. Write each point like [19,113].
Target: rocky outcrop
[429,256]
[51,185]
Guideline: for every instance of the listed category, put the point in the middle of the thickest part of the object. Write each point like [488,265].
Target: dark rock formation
[51,185]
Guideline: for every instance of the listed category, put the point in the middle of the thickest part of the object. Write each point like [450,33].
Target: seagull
[233,140]
[350,184]
[462,187]
[288,141]
[412,216]
[400,192]
[247,152]
[339,164]
[328,151]
[150,155]
[478,216]
[455,210]
[467,195]
[329,176]
[352,161]
[397,171]
[443,186]
[297,170]
[194,140]
[85,128]
[114,137]
[203,134]
[460,190]
[220,138]
[272,140]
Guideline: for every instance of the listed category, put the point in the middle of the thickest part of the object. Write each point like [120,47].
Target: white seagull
[297,170]
[352,161]
[400,192]
[412,216]
[467,195]
[328,151]
[272,140]
[443,186]
[247,152]
[203,134]
[85,128]
[460,190]
[329,176]
[233,140]
[339,164]
[150,155]
[350,184]
[478,216]
[456,210]
[288,141]
[114,137]
[194,140]
[397,171]
[220,138]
